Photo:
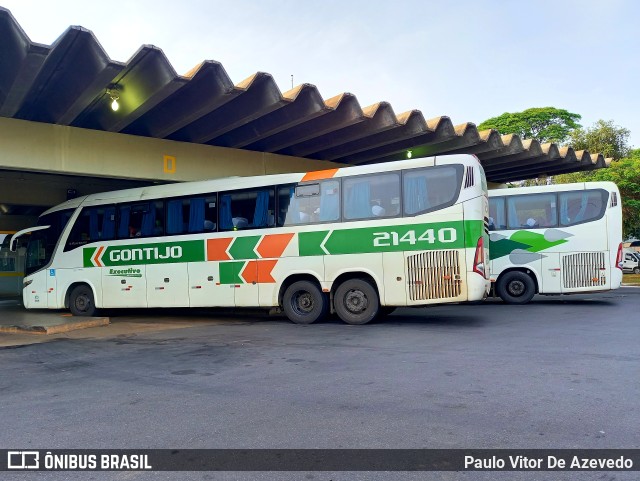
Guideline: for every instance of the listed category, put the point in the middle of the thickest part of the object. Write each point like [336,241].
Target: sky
[467,59]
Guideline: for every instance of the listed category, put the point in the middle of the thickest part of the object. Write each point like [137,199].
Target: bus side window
[141,220]
[194,215]
[79,234]
[371,196]
[303,204]
[247,209]
[432,188]
[532,211]
[497,217]
[309,202]
[287,205]
[92,225]
[329,209]
[582,206]
[177,210]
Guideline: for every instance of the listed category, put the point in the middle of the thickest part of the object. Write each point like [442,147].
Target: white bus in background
[555,239]
[358,241]
[11,267]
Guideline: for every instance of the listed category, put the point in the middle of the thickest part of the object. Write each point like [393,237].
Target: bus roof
[538,189]
[234,183]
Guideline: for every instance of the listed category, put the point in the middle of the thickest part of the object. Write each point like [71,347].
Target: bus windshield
[43,242]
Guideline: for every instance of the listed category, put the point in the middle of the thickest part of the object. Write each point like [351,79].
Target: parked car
[632,245]
[631,262]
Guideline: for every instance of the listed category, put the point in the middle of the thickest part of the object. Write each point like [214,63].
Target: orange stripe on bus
[97,255]
[259,272]
[264,271]
[319,175]
[217,249]
[274,245]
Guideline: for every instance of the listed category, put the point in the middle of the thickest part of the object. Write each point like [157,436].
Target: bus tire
[636,270]
[356,301]
[81,301]
[304,303]
[516,287]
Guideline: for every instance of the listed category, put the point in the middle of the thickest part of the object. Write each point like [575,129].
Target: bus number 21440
[445,235]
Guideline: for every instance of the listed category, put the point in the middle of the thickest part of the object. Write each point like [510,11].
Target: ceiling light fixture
[113,91]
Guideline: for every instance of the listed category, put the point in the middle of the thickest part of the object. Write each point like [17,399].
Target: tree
[626,174]
[546,124]
[603,137]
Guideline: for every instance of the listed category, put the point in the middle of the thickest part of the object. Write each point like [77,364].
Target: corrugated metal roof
[66,83]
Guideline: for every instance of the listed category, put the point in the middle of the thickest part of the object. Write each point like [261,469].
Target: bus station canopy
[73,81]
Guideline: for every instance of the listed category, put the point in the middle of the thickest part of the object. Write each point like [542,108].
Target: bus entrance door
[52,289]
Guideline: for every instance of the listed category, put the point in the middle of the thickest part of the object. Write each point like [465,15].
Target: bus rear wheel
[304,303]
[516,288]
[356,301]
[81,301]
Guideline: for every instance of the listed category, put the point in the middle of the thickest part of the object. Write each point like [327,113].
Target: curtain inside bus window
[357,202]
[94,233]
[226,218]
[514,222]
[196,215]
[415,194]
[149,220]
[497,214]
[175,223]
[123,226]
[292,213]
[330,201]
[564,209]
[261,214]
[109,223]
[583,207]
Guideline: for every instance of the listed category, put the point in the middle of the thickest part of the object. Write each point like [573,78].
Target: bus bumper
[478,287]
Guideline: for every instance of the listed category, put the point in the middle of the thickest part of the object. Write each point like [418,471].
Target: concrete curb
[70,325]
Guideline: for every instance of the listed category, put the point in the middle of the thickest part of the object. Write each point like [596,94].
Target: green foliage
[603,137]
[546,124]
[626,174]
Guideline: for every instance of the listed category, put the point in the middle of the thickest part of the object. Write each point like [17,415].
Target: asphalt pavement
[561,372]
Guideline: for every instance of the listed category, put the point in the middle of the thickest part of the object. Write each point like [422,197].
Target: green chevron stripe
[309,243]
[87,254]
[230,272]
[243,247]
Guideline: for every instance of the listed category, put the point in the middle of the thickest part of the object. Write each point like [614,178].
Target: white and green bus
[357,241]
[555,239]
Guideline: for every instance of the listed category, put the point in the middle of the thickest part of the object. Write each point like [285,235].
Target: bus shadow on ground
[572,302]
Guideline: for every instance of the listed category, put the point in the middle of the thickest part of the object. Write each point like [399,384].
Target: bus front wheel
[516,288]
[356,301]
[304,303]
[81,301]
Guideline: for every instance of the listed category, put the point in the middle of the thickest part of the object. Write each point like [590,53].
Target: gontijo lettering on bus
[136,254]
